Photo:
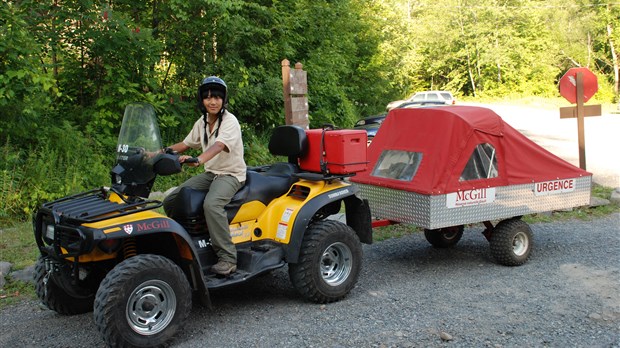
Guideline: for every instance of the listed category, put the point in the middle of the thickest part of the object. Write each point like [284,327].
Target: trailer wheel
[511,242]
[444,237]
[55,297]
[142,302]
[329,262]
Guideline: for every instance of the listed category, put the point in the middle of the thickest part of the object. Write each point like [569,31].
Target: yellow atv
[110,250]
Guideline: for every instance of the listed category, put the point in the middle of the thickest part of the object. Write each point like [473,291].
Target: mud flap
[358,217]
[199,284]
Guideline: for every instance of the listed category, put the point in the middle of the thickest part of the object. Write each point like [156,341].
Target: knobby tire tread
[303,273]
[55,298]
[111,290]
[501,242]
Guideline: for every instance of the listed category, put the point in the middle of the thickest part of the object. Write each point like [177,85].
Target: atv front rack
[58,224]
[92,206]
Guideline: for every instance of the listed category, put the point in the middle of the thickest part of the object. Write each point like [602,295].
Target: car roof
[434,91]
[420,103]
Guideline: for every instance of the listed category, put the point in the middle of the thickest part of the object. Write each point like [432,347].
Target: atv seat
[263,186]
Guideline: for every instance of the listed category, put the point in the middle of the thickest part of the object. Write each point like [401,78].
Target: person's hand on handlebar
[189,160]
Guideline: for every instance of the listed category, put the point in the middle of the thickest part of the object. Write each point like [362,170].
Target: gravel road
[408,295]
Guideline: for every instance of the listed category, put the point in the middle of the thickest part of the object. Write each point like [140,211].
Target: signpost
[295,89]
[578,85]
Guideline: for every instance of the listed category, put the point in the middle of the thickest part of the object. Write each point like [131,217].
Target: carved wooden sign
[295,89]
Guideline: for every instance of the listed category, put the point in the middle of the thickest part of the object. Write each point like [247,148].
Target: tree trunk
[498,64]
[614,59]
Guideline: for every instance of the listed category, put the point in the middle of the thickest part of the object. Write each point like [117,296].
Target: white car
[443,96]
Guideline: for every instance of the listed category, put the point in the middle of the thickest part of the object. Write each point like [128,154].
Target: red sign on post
[578,85]
[568,84]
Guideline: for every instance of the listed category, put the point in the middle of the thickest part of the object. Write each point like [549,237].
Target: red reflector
[109,245]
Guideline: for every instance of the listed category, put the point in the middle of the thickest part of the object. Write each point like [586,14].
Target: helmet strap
[220,116]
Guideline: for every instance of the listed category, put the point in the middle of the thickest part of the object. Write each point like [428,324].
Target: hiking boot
[223,268]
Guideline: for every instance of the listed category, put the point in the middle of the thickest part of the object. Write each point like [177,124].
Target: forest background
[69,68]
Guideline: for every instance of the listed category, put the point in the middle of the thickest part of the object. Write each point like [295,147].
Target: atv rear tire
[329,264]
[56,298]
[444,237]
[511,242]
[142,302]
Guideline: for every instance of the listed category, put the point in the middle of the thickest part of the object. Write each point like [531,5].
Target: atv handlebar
[192,160]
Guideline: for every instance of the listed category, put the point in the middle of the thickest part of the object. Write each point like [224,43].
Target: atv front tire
[142,302]
[444,237]
[329,262]
[56,298]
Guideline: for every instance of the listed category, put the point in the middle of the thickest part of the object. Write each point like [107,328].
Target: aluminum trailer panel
[493,203]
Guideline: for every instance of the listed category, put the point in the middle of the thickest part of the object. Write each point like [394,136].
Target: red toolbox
[335,151]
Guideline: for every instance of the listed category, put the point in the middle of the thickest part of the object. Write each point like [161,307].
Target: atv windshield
[139,142]
[139,130]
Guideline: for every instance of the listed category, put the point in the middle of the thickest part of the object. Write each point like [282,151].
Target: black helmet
[215,86]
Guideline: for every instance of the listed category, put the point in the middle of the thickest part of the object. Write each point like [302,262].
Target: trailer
[441,168]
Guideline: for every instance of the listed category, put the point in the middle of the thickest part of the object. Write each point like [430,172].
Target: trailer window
[482,164]
[399,165]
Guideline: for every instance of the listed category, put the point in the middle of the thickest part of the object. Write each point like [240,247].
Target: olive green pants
[221,189]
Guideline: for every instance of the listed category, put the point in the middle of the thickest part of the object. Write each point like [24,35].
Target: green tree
[27,88]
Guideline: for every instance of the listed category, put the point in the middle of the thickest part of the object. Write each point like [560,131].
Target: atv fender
[357,214]
[186,245]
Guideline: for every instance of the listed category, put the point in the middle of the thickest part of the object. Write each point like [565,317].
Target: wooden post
[286,89]
[295,88]
[580,123]
[578,85]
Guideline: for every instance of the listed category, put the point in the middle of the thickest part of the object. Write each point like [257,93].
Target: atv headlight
[118,179]
[50,233]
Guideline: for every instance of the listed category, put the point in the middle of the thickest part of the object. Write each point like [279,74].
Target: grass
[18,247]
[581,213]
[16,291]
[393,231]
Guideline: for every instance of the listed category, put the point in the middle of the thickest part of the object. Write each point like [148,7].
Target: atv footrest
[250,263]
[215,281]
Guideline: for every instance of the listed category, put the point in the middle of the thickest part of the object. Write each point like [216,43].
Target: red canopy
[446,138]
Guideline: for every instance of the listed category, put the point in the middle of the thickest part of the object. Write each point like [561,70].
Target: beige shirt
[229,134]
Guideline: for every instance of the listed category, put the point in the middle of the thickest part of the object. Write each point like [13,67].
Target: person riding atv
[218,134]
[112,251]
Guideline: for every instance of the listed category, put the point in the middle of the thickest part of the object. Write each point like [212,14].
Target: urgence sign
[554,187]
